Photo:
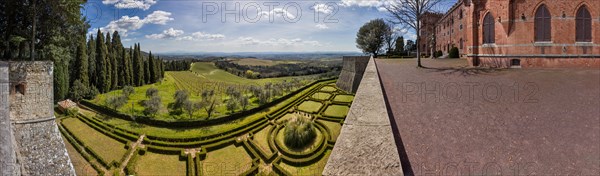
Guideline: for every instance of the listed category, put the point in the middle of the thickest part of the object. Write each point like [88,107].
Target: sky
[191,26]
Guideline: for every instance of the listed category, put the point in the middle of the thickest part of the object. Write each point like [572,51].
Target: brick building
[524,33]
[428,22]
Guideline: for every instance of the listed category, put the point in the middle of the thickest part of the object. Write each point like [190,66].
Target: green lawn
[261,139]
[108,148]
[81,166]
[310,106]
[343,98]
[336,111]
[230,160]
[321,96]
[159,164]
[203,76]
[312,169]
[334,127]
[328,89]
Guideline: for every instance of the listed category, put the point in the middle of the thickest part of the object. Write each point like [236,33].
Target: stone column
[7,153]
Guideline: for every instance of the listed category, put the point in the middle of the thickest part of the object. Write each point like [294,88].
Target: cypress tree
[131,67]
[91,61]
[147,70]
[118,67]
[109,63]
[125,69]
[101,51]
[81,63]
[140,66]
[151,69]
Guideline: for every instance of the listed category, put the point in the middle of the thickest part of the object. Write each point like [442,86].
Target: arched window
[543,24]
[489,35]
[583,26]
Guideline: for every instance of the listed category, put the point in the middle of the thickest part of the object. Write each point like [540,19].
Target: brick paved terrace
[454,120]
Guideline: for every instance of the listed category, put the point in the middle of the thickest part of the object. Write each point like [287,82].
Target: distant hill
[265,55]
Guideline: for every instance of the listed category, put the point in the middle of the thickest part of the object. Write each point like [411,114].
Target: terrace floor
[465,121]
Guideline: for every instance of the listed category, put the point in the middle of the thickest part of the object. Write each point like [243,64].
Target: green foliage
[438,54]
[128,90]
[103,82]
[152,106]
[399,49]
[370,37]
[181,96]
[116,102]
[299,132]
[78,91]
[72,112]
[151,92]
[243,102]
[209,101]
[232,105]
[453,53]
[191,107]
[81,63]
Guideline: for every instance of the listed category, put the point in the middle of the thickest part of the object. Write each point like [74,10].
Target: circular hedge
[299,132]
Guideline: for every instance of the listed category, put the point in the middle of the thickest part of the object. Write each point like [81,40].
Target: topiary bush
[438,54]
[453,53]
[299,132]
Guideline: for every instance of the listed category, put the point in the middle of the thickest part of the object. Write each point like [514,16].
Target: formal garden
[291,135]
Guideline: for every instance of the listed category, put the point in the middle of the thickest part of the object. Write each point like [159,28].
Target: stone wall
[36,142]
[352,72]
[8,165]
[366,144]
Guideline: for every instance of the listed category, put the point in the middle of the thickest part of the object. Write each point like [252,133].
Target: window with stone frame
[543,24]
[489,29]
[583,25]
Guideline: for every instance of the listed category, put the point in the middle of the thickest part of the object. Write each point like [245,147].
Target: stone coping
[366,143]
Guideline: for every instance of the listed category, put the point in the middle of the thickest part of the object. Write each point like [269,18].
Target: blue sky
[163,26]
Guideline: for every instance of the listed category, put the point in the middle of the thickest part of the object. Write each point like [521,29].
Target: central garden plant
[299,131]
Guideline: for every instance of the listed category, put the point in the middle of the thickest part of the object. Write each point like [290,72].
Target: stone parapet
[366,143]
[352,72]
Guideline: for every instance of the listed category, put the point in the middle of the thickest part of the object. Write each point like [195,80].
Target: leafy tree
[128,90]
[147,69]
[409,13]
[78,91]
[390,40]
[371,36]
[91,46]
[152,105]
[115,102]
[109,63]
[243,102]
[209,101]
[191,107]
[125,78]
[181,96]
[151,92]
[151,70]
[453,53]
[232,105]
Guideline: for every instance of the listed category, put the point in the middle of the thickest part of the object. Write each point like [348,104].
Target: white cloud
[278,12]
[131,4]
[277,42]
[201,36]
[322,26]
[322,8]
[378,4]
[169,33]
[126,24]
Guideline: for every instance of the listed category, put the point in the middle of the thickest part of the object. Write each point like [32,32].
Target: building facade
[427,36]
[523,33]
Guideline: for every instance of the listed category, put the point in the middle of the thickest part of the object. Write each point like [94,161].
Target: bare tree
[390,39]
[409,13]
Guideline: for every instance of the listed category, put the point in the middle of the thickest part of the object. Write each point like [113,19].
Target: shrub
[151,92]
[72,112]
[453,53]
[438,54]
[299,132]
[128,90]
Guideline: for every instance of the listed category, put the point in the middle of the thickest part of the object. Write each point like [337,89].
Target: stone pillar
[352,72]
[8,159]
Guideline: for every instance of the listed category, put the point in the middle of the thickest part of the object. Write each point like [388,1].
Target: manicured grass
[81,166]
[328,89]
[336,111]
[310,106]
[108,148]
[321,96]
[159,164]
[229,160]
[343,98]
[261,139]
[315,168]
[285,117]
[334,127]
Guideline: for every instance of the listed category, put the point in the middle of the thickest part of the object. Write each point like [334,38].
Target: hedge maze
[256,147]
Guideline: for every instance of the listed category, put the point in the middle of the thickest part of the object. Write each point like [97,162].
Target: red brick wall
[514,36]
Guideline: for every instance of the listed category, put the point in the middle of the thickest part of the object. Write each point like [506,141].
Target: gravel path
[464,121]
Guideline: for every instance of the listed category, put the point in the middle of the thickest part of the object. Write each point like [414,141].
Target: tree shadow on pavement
[463,70]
